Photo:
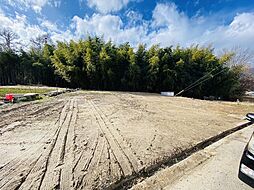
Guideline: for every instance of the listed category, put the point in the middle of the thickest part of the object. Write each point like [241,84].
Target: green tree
[153,68]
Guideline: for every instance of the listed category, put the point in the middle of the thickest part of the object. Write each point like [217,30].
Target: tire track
[21,167]
[67,176]
[19,123]
[89,169]
[120,141]
[124,162]
[15,162]
[83,163]
[11,166]
[118,169]
[52,176]
[92,169]
[15,183]
[17,107]
[23,155]
[35,177]
[28,112]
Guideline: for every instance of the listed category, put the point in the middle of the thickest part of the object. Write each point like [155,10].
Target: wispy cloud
[108,6]
[50,26]
[36,5]
[57,3]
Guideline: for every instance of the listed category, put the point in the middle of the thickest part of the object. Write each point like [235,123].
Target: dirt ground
[94,140]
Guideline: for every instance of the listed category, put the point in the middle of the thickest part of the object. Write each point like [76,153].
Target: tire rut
[21,166]
[26,112]
[36,174]
[67,176]
[120,141]
[116,151]
[83,163]
[14,163]
[53,168]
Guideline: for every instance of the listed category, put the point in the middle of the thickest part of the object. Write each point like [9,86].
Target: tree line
[98,65]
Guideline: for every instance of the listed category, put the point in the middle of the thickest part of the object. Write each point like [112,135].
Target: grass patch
[4,91]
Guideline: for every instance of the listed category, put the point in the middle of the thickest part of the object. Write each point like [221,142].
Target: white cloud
[20,26]
[134,18]
[51,27]
[62,36]
[240,32]
[168,15]
[109,26]
[167,27]
[107,6]
[26,31]
[97,25]
[172,27]
[36,5]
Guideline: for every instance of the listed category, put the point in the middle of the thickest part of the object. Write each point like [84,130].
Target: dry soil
[95,140]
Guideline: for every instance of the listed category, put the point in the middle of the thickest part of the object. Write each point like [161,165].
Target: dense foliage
[95,64]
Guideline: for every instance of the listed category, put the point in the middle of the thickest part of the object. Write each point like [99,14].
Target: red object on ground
[9,97]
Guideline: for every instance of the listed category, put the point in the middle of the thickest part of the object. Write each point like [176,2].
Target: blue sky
[223,23]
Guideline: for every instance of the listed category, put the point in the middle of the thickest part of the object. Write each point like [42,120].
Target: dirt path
[96,140]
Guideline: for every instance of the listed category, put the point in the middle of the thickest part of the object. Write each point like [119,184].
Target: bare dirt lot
[94,140]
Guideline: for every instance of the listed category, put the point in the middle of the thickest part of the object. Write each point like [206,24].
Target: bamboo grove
[98,65]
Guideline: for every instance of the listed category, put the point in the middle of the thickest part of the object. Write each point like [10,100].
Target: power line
[207,75]
[201,80]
